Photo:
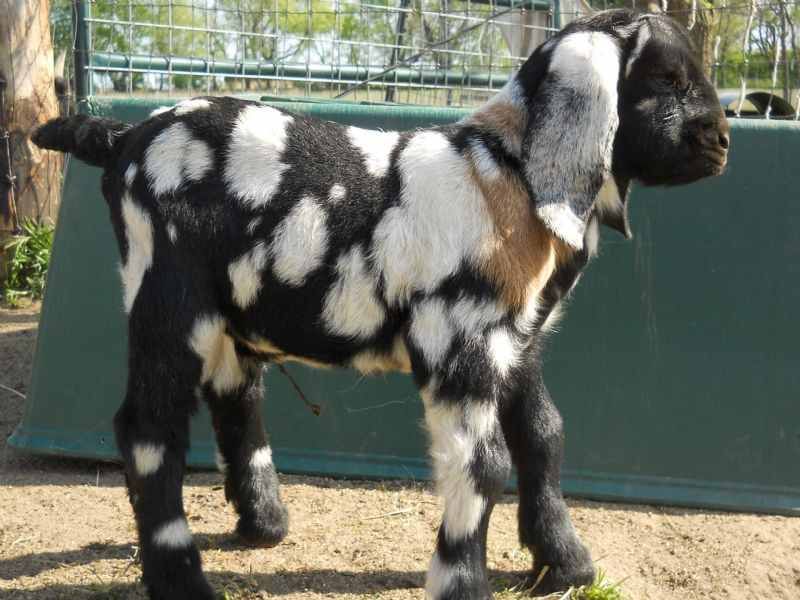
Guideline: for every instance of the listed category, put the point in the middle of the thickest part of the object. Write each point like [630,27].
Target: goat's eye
[675,82]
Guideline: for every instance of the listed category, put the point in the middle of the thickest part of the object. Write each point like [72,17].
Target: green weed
[599,590]
[28,259]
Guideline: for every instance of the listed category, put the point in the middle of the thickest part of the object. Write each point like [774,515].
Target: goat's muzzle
[712,137]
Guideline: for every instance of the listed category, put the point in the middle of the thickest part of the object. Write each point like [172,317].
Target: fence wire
[434,52]
[416,51]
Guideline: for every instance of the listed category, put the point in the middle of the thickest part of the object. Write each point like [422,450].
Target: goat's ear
[572,123]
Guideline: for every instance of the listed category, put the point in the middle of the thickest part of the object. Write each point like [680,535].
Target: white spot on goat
[300,242]
[261,459]
[160,111]
[219,459]
[245,275]
[172,232]
[456,435]
[139,235]
[173,156]
[439,578]
[130,174]
[591,238]
[431,330]
[503,350]
[175,534]
[442,219]
[187,106]
[254,169]
[375,146]
[196,160]
[351,306]
[337,192]
[147,458]
[216,349]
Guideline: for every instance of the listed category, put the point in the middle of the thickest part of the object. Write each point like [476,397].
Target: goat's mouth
[702,165]
[716,159]
[706,163]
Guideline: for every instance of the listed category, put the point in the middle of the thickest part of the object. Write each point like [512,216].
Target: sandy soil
[66,531]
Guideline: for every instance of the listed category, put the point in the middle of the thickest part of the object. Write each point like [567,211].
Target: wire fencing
[416,51]
[434,52]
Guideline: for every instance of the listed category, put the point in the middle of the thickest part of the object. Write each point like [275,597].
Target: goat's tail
[90,139]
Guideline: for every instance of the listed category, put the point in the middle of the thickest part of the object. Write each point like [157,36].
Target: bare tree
[26,61]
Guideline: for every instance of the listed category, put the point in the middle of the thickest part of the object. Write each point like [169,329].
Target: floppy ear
[571,93]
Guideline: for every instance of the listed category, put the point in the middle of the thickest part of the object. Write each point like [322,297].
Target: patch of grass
[29,258]
[599,590]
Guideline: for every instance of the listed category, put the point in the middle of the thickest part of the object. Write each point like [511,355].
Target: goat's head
[672,129]
[615,97]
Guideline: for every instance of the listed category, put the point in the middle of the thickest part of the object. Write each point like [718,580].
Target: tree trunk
[706,21]
[26,61]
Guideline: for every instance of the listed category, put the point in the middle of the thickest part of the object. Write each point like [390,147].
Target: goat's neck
[505,117]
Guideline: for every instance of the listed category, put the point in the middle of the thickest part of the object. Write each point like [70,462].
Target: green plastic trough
[677,368]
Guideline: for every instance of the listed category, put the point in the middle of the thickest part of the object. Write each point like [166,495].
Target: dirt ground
[66,531]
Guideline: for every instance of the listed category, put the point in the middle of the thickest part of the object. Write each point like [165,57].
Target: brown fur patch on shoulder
[504,119]
[523,254]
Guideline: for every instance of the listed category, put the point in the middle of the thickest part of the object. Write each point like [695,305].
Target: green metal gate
[677,367]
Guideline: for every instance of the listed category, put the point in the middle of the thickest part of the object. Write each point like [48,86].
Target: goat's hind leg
[152,432]
[534,433]
[245,457]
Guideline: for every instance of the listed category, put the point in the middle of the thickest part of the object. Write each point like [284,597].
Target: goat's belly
[369,360]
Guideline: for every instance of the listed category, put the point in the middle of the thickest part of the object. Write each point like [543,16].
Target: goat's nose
[724,140]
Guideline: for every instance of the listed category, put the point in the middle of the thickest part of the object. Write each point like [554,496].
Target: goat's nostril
[724,140]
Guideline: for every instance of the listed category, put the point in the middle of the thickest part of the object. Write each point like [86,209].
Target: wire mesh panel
[450,52]
[436,52]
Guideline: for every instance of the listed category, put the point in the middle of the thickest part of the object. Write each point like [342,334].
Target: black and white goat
[251,235]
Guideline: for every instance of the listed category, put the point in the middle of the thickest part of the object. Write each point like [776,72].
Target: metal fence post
[80,13]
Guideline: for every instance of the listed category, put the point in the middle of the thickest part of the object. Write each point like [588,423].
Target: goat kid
[252,235]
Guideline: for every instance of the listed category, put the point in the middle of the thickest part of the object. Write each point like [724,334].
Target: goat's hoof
[560,578]
[191,587]
[263,532]
[462,585]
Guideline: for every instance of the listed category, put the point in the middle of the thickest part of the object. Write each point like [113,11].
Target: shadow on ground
[253,585]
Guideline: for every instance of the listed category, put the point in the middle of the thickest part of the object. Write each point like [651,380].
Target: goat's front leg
[534,433]
[245,457]
[471,465]
[460,381]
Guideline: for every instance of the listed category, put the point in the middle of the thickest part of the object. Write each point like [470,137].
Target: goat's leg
[152,432]
[534,434]
[460,365]
[251,482]
[471,465]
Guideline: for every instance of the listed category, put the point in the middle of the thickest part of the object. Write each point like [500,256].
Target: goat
[252,235]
